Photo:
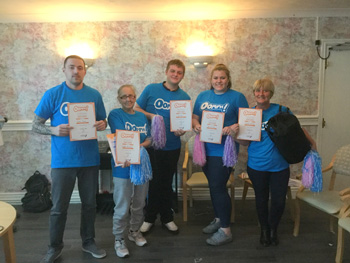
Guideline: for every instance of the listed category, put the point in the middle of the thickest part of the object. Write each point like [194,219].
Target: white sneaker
[120,248]
[146,227]
[137,237]
[171,226]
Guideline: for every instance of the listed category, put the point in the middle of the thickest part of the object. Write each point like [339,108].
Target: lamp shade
[201,61]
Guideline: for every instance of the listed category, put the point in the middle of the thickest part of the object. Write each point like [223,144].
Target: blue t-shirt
[228,103]
[53,106]
[263,155]
[119,119]
[156,99]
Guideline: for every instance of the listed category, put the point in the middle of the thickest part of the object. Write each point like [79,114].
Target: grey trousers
[63,181]
[129,200]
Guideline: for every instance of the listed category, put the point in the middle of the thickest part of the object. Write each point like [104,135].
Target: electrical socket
[317,42]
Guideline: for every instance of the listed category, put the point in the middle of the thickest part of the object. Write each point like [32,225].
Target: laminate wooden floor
[189,245]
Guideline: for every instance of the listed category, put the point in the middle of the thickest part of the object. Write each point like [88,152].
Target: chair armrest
[344,193]
[345,210]
[329,166]
[301,189]
[185,163]
[244,176]
[184,168]
[232,177]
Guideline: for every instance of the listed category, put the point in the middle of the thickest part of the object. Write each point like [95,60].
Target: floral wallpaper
[31,58]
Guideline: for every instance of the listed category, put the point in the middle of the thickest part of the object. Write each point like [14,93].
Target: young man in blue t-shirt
[71,159]
[155,100]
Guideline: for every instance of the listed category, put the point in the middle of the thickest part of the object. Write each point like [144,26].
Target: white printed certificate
[81,116]
[127,146]
[180,115]
[212,125]
[249,121]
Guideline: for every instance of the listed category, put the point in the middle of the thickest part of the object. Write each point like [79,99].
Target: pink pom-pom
[158,132]
[308,171]
[229,157]
[199,157]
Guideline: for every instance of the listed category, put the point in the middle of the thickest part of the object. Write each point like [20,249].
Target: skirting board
[198,194]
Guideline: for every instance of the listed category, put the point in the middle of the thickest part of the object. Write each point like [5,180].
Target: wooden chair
[328,200]
[191,179]
[343,224]
[248,183]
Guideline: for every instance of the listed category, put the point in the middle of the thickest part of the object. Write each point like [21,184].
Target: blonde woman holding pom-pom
[220,98]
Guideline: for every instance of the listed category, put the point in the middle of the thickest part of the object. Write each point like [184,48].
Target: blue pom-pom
[318,180]
[141,173]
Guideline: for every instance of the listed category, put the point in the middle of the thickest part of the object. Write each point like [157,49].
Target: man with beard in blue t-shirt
[71,160]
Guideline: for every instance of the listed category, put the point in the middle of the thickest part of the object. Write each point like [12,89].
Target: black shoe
[274,238]
[265,238]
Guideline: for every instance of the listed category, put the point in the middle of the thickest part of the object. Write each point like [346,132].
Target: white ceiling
[134,10]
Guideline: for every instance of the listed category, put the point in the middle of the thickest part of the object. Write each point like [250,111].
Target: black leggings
[265,183]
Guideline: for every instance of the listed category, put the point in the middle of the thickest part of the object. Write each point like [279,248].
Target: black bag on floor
[285,131]
[38,196]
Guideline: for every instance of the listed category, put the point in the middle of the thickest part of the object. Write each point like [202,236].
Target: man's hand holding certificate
[249,121]
[127,147]
[81,117]
[212,124]
[180,115]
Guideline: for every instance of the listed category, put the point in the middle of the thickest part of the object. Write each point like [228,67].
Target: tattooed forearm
[40,127]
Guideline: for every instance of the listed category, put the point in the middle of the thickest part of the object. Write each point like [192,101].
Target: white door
[335,131]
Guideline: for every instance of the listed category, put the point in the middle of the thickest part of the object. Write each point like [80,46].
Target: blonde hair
[266,84]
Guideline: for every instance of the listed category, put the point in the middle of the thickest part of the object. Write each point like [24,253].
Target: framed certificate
[249,121]
[180,115]
[212,125]
[81,116]
[127,146]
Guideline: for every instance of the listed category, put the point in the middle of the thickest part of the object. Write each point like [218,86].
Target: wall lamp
[201,61]
[89,62]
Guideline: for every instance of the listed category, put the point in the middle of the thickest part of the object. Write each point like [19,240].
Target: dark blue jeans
[164,165]
[265,183]
[218,175]
[63,181]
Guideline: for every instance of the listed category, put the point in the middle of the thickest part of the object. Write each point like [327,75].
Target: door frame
[325,45]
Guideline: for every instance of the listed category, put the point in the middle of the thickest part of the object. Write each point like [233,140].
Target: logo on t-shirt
[64,109]
[132,127]
[263,125]
[160,104]
[215,107]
